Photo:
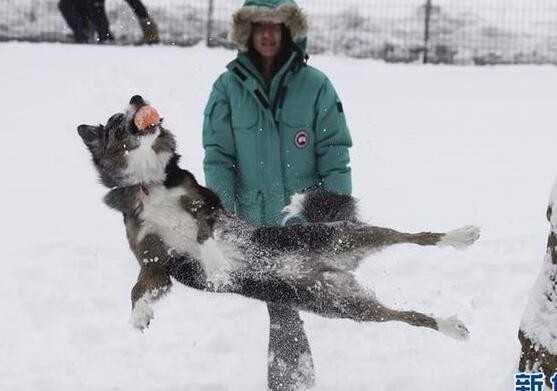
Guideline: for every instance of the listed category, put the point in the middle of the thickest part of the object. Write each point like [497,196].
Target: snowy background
[462,32]
[435,148]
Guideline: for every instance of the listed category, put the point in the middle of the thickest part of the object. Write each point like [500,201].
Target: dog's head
[124,155]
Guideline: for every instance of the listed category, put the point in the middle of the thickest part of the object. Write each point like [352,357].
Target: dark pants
[290,362]
[138,8]
[78,14]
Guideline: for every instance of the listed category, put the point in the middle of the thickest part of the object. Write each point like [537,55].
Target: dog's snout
[137,100]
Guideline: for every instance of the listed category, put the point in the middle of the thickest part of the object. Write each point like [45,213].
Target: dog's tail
[320,206]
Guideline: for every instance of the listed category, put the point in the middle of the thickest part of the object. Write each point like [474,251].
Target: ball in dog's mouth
[145,118]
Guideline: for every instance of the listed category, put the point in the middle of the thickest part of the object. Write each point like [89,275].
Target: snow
[435,148]
[540,316]
[553,204]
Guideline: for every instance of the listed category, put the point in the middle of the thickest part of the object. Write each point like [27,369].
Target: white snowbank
[539,322]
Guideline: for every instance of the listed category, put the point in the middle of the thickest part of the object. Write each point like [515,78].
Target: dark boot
[106,37]
[150,32]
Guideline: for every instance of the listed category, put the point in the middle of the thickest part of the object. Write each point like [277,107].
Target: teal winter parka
[264,143]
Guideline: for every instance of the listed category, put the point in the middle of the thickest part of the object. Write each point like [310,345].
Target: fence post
[426,29]
[210,22]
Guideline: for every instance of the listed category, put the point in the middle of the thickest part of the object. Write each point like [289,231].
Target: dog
[178,228]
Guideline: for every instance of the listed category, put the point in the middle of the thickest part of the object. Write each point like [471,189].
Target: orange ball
[145,117]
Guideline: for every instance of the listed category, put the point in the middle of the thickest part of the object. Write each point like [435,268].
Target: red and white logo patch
[301,139]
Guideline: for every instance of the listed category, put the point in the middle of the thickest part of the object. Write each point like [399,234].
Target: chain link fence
[435,31]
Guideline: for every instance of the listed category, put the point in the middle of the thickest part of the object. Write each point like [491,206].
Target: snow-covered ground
[435,148]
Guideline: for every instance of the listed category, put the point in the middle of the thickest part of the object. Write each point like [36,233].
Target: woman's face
[267,39]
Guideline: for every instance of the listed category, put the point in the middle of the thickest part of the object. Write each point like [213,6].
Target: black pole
[426,29]
[210,22]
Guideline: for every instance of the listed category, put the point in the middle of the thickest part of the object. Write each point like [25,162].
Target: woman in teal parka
[274,126]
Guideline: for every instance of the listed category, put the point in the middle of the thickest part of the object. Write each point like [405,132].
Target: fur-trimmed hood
[273,11]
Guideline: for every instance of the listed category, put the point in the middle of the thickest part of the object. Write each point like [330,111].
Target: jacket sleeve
[219,163]
[332,142]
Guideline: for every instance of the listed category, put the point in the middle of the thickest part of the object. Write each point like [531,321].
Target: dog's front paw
[142,313]
[461,237]
[453,327]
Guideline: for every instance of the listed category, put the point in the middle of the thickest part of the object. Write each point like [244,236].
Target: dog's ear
[91,136]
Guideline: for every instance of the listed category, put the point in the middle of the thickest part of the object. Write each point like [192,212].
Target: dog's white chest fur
[219,259]
[163,215]
[144,164]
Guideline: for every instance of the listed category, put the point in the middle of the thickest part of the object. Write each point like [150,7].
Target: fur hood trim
[290,14]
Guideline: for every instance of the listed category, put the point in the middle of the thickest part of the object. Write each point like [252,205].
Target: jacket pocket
[244,128]
[243,119]
[210,105]
[297,118]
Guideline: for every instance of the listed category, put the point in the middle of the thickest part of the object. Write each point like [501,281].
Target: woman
[273,127]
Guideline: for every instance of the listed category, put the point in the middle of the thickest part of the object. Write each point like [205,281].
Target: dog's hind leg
[337,294]
[371,236]
[376,312]
[340,296]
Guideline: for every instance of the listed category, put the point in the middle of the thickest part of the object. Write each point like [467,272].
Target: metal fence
[437,31]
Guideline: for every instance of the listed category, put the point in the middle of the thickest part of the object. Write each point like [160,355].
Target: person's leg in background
[290,362]
[97,13]
[150,29]
[75,13]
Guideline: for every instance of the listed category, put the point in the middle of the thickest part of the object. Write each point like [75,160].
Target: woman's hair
[287,47]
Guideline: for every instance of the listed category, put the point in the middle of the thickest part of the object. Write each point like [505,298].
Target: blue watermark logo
[525,381]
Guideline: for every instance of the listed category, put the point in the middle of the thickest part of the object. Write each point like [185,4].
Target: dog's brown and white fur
[178,228]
